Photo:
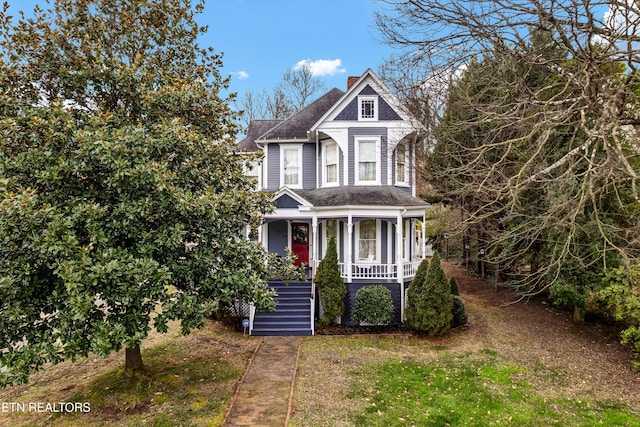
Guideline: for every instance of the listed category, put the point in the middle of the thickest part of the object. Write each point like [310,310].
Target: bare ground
[561,359]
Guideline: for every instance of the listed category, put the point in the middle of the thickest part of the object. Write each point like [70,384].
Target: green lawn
[477,389]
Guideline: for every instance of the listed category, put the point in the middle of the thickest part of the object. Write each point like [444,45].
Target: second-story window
[331,163]
[368,161]
[402,176]
[291,166]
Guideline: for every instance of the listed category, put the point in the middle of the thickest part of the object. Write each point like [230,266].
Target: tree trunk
[133,359]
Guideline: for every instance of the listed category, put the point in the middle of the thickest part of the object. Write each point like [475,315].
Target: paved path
[264,394]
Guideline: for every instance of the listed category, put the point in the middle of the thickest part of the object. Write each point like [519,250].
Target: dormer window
[368,108]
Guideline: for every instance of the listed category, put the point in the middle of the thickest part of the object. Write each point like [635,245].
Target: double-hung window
[402,170]
[330,230]
[368,160]
[291,171]
[368,240]
[331,163]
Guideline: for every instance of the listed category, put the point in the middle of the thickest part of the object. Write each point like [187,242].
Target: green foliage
[622,297]
[414,293]
[331,288]
[453,284]
[121,196]
[433,305]
[373,306]
[458,314]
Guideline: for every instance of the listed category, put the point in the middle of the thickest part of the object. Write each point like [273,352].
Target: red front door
[300,242]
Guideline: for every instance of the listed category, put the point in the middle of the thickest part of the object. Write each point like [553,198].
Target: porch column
[261,234]
[349,246]
[314,245]
[424,236]
[399,262]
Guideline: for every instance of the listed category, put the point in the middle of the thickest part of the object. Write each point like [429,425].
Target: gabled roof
[297,126]
[257,127]
[368,77]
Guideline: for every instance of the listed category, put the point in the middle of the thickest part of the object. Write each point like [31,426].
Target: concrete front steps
[293,314]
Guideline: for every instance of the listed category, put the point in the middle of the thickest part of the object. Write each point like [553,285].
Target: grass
[187,381]
[471,390]
[405,380]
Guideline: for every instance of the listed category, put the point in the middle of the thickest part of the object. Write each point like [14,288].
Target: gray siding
[309,164]
[273,166]
[383,241]
[278,237]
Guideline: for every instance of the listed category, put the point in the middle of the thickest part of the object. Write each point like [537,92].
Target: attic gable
[385,111]
[369,84]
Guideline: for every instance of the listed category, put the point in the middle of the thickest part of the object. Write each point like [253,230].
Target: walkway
[264,394]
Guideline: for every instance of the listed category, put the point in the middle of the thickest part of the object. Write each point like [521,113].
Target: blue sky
[261,39]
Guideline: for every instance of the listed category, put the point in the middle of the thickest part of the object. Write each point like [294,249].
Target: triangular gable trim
[289,192]
[368,78]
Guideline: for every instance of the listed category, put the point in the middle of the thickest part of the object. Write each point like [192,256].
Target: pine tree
[415,289]
[331,288]
[433,305]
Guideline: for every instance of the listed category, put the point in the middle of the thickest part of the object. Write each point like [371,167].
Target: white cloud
[241,74]
[321,67]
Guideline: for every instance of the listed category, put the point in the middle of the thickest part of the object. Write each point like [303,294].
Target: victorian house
[342,167]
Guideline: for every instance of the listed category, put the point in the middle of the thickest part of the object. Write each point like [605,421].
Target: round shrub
[374,305]
[459,316]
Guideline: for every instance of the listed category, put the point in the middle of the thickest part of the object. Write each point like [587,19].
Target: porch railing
[379,271]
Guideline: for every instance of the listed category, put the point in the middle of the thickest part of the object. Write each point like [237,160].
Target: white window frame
[325,182]
[368,98]
[357,141]
[325,236]
[292,147]
[254,170]
[378,254]
[405,179]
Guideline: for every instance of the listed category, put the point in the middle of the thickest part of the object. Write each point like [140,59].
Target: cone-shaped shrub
[459,316]
[331,288]
[433,305]
[453,284]
[415,289]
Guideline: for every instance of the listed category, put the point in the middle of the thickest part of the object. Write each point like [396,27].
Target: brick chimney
[351,81]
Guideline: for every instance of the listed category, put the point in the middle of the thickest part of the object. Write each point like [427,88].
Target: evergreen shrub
[373,306]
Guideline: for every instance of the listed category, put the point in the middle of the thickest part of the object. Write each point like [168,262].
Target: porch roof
[386,195]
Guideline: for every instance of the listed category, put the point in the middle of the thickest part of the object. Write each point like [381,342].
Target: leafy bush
[459,317]
[453,284]
[374,305]
[415,289]
[331,288]
[433,304]
[622,296]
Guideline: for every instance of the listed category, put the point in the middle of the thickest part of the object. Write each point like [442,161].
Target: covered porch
[383,240]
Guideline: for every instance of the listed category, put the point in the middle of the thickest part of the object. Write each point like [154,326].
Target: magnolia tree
[122,202]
